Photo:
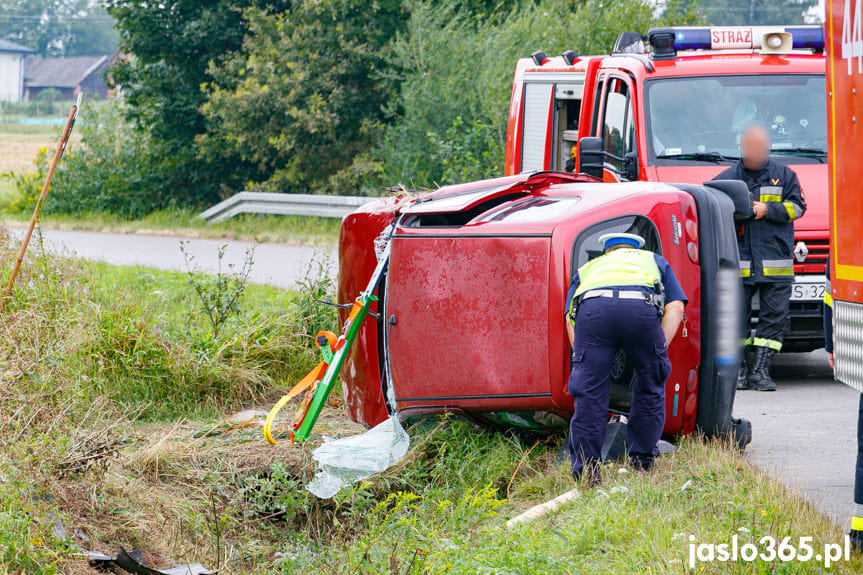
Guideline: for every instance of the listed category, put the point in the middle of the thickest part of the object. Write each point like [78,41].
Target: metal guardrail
[284,205]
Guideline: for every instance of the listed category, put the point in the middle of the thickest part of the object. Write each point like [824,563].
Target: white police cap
[615,238]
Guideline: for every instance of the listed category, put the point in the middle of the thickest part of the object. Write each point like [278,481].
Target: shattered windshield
[699,119]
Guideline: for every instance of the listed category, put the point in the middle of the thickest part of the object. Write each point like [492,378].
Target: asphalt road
[805,433]
[280,265]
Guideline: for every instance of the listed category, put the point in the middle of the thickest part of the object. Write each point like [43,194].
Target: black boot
[743,374]
[760,377]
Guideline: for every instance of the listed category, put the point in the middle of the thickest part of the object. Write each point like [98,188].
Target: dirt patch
[17,157]
[17,151]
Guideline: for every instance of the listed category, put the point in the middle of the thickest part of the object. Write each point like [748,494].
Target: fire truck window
[614,133]
[587,246]
[537,100]
[681,128]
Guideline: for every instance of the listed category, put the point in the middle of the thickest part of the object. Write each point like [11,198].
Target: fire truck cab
[669,107]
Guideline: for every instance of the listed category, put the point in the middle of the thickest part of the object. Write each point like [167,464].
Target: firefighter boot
[743,374]
[760,377]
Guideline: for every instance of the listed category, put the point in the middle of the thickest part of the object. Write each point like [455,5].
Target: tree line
[332,96]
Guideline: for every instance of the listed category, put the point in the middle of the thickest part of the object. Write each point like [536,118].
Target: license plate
[807,291]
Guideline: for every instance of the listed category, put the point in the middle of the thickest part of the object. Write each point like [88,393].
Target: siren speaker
[776,43]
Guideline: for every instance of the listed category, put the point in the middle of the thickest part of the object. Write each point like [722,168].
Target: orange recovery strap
[309,381]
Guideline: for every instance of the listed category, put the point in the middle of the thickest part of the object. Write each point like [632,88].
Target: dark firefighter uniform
[616,301]
[766,263]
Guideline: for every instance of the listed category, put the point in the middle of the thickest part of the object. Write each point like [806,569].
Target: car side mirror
[630,166]
[739,193]
[591,157]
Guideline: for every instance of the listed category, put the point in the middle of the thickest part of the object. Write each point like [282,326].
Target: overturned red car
[470,316]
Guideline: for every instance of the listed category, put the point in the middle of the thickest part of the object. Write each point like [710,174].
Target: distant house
[12,71]
[69,76]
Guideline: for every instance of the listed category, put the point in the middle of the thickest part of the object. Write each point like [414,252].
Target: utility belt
[655,299]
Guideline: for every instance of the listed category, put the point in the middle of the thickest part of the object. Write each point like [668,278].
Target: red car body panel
[476,311]
[357,261]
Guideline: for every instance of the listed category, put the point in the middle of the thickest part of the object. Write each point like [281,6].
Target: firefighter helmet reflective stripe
[622,267]
[768,343]
[745,268]
[777,267]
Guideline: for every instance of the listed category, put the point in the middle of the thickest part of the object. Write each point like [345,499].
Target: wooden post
[61,147]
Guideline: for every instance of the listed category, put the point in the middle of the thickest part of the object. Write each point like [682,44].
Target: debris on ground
[345,461]
[542,509]
[133,562]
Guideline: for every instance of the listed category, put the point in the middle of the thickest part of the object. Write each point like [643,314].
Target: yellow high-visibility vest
[621,267]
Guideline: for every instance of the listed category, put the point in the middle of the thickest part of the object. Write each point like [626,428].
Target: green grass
[117,367]
[10,129]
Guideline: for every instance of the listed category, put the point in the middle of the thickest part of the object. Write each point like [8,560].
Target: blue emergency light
[769,39]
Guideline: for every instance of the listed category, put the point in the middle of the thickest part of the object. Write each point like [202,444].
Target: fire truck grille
[816,253]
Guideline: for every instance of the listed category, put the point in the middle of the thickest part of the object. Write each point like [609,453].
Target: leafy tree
[59,27]
[754,12]
[304,99]
[173,45]
[457,77]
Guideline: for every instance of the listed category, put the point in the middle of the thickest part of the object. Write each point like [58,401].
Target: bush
[48,95]
[114,169]
[303,101]
[38,106]
[454,98]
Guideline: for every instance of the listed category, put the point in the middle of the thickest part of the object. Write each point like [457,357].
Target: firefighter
[765,243]
[627,298]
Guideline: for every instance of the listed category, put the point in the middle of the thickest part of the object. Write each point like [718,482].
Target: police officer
[765,243]
[626,298]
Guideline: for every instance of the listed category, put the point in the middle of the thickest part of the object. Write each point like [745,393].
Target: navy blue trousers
[601,327]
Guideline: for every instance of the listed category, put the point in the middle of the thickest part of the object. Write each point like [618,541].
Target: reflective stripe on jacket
[766,245]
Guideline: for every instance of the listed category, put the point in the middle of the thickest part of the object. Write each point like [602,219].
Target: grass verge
[118,406]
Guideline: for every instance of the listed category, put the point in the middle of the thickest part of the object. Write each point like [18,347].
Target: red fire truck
[845,113]
[673,114]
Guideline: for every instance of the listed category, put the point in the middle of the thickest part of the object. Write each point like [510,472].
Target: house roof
[6,46]
[60,72]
